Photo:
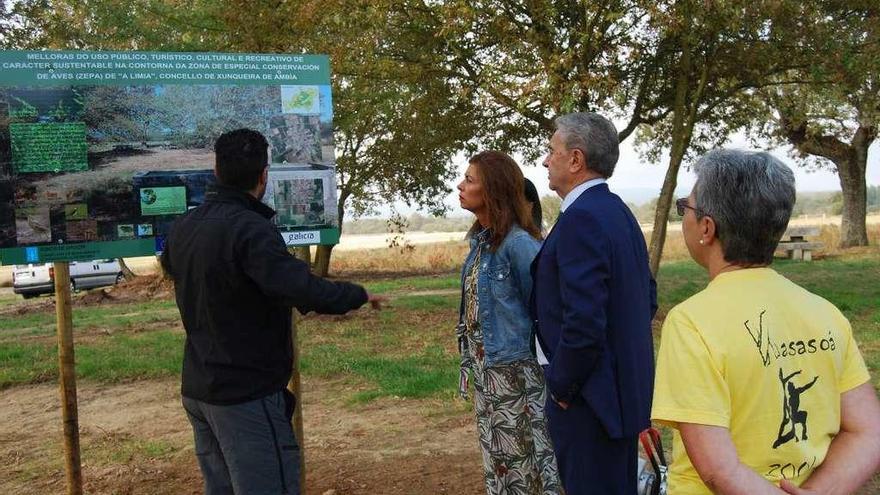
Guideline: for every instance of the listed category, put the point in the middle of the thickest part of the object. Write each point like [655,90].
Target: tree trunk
[322,260]
[661,214]
[682,126]
[323,253]
[126,271]
[684,117]
[850,160]
[295,386]
[851,173]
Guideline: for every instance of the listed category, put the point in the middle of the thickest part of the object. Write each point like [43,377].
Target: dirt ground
[390,446]
[135,438]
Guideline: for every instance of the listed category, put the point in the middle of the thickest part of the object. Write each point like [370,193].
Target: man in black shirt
[235,284]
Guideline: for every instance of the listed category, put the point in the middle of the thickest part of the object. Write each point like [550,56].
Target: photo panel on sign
[302,198]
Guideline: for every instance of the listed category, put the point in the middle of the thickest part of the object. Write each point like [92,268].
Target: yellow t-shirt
[764,358]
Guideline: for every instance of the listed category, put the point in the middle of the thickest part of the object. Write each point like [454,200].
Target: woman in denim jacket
[495,332]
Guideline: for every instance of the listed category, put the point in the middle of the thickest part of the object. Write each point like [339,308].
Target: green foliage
[837,94]
[525,62]
[48,105]
[679,72]
[196,116]
[21,23]
[830,116]
[550,205]
[416,81]
[397,124]
[712,57]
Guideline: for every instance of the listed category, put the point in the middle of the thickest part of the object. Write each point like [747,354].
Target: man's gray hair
[593,134]
[750,196]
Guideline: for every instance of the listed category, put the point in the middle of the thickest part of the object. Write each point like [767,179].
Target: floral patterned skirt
[517,451]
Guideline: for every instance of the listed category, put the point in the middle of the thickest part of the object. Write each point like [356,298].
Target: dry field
[427,258]
[421,252]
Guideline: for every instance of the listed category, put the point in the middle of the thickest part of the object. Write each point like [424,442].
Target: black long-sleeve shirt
[235,284]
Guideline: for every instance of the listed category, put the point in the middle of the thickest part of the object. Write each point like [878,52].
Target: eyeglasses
[682,203]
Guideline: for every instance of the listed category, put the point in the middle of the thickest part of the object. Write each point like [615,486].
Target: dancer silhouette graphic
[791,412]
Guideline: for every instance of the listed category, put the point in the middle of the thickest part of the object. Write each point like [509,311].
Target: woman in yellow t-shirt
[761,380]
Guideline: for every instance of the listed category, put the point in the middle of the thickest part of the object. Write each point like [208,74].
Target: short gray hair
[593,134]
[750,196]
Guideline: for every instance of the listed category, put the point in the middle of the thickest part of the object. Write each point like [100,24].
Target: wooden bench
[796,242]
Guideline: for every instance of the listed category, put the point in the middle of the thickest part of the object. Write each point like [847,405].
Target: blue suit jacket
[593,300]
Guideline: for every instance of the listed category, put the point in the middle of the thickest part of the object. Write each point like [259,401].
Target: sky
[635,178]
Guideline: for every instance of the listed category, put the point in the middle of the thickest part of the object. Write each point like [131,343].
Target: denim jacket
[504,284]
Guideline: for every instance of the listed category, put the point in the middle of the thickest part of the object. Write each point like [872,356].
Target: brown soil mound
[142,287]
[27,307]
[139,289]
[94,297]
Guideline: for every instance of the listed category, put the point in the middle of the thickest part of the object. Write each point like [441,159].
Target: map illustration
[300,100]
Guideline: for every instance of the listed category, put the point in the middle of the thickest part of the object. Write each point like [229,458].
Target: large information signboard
[101,151]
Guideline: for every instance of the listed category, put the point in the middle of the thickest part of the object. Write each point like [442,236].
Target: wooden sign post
[295,385]
[67,378]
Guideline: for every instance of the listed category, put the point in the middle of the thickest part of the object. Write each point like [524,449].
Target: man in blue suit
[593,300]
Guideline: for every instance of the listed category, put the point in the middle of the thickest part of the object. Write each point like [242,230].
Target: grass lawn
[407,350]
[414,283]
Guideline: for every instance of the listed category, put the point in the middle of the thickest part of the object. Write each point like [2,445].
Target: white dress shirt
[570,198]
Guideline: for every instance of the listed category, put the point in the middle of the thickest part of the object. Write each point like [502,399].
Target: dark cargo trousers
[247,448]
